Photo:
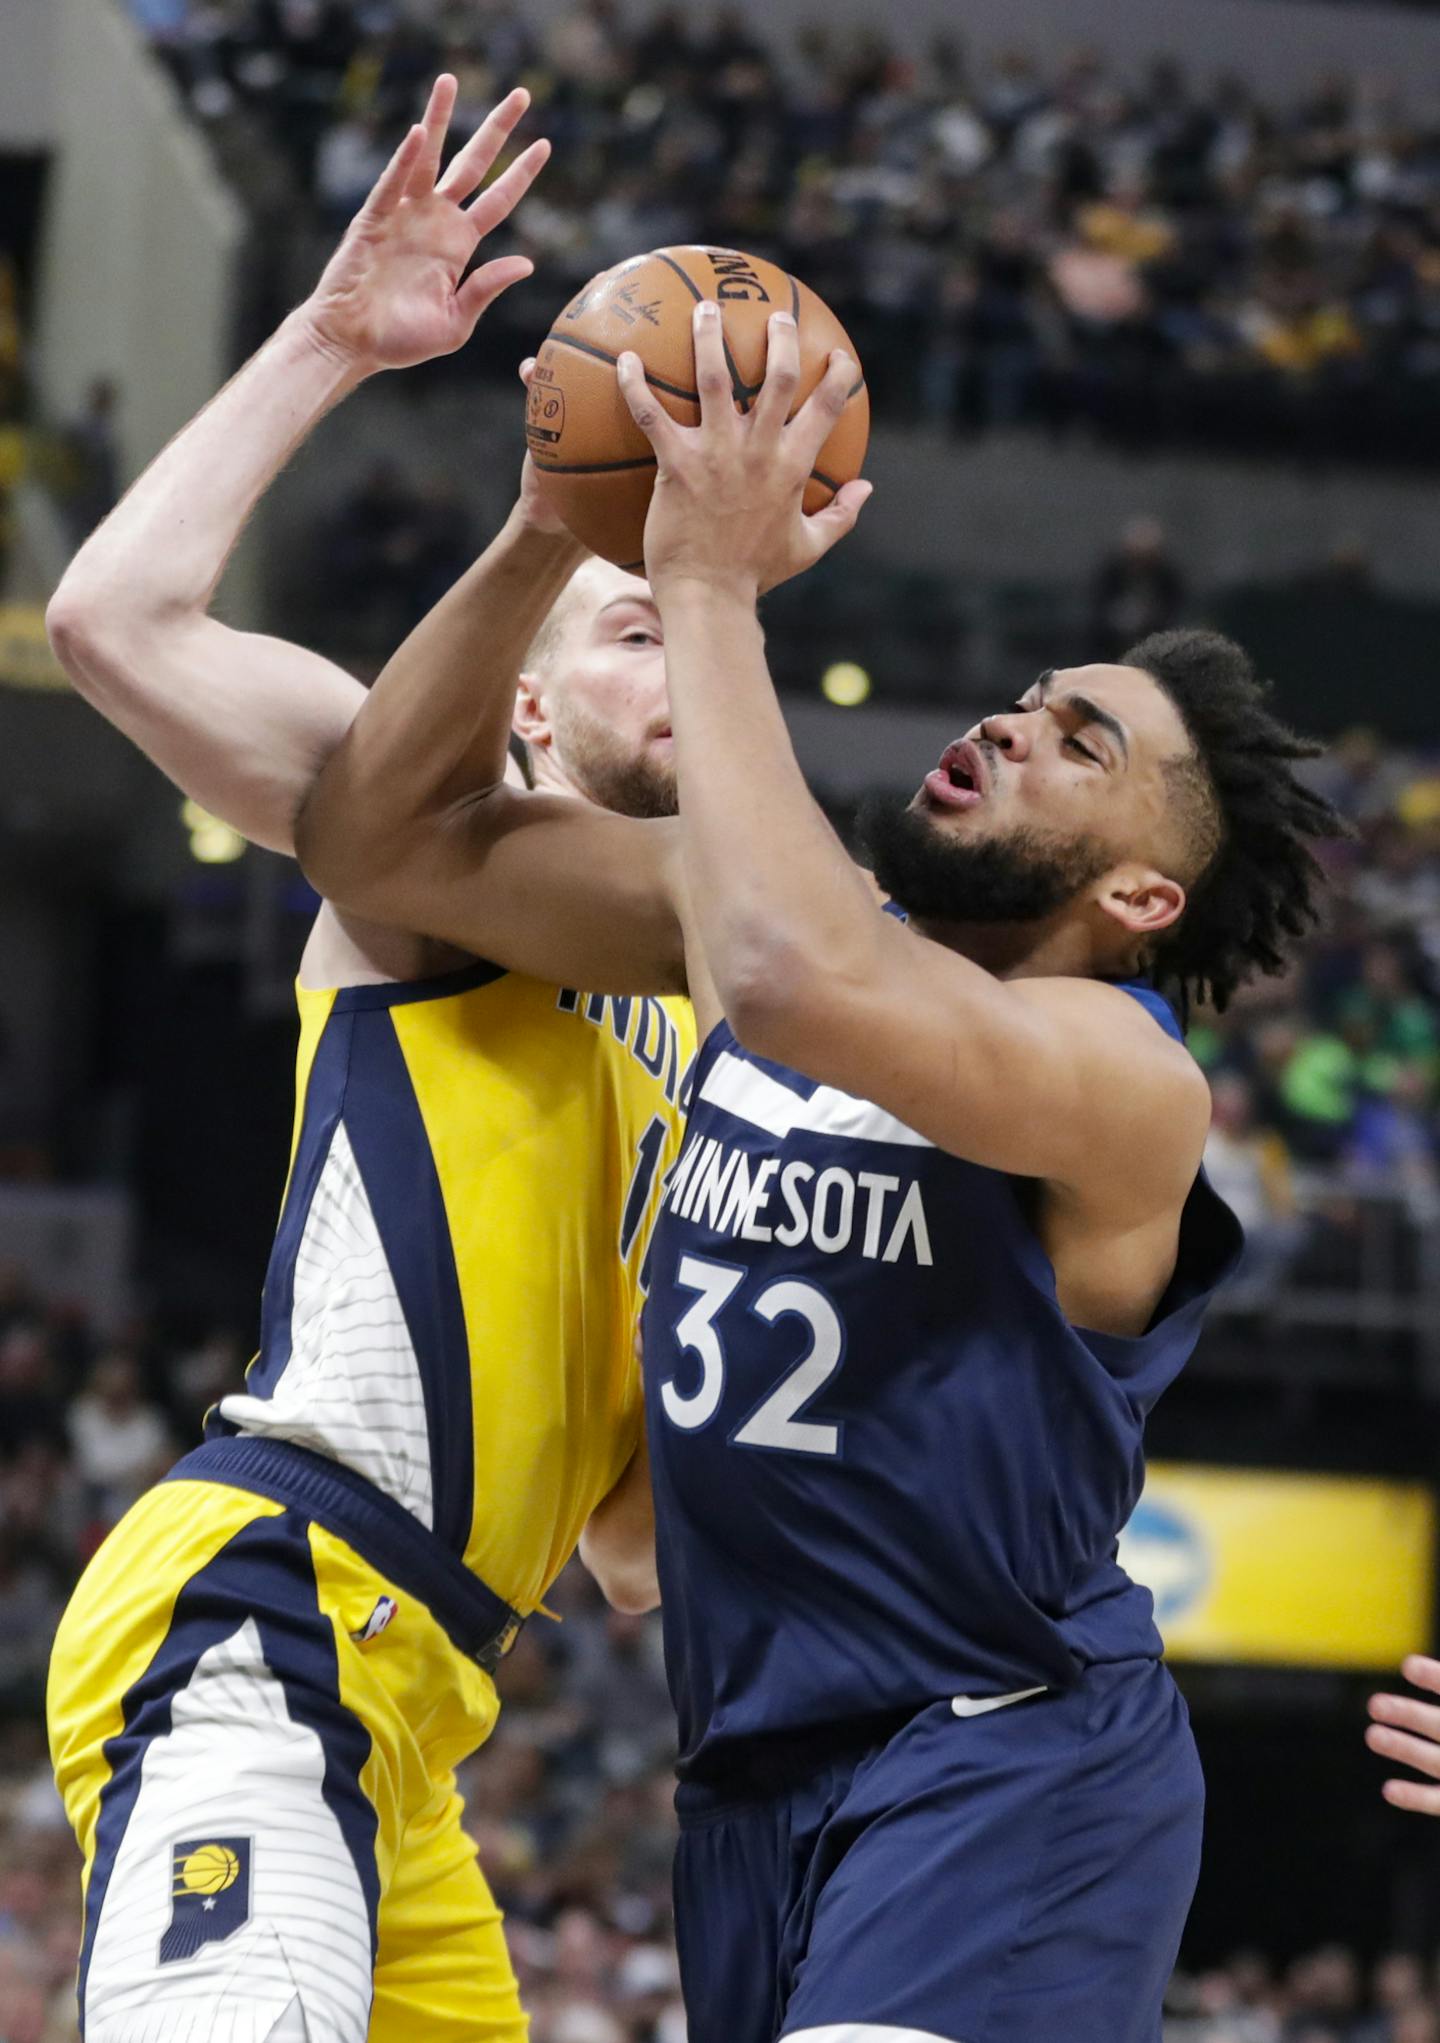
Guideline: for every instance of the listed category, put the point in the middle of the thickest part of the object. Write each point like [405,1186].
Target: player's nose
[1010,734]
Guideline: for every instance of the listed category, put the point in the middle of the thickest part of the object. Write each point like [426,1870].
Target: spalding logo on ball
[599,466]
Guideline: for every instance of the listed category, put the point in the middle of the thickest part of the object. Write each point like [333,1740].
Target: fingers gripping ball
[599,468]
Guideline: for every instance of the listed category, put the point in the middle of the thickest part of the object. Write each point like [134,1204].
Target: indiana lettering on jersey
[874,1213]
[643,1028]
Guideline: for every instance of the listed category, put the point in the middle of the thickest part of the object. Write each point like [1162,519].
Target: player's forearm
[778,904]
[435,727]
[159,555]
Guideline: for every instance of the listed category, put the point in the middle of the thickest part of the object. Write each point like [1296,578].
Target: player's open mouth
[962,777]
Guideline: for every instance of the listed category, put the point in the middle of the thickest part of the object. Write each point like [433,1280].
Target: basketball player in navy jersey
[937,1241]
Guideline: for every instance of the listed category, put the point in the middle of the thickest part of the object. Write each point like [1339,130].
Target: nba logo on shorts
[209,1894]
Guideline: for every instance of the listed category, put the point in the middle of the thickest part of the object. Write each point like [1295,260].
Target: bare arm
[241,721]
[1062,1080]
[618,1543]
[238,721]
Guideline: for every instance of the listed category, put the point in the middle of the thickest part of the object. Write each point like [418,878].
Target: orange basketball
[598,465]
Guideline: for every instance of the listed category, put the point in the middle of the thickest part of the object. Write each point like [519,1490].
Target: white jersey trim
[753,1095]
[351,1388]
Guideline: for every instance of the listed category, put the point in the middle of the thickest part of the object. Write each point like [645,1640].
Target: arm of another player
[618,1543]
[411,822]
[1407,1731]
[1058,1079]
[241,721]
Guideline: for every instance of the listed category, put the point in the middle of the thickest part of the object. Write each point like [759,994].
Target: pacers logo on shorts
[209,1894]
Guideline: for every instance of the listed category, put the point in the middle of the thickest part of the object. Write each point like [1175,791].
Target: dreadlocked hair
[1247,819]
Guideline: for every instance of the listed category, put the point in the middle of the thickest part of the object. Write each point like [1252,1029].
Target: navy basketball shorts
[1017,1875]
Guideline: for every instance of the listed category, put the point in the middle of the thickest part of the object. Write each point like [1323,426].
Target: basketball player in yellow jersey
[269,1671]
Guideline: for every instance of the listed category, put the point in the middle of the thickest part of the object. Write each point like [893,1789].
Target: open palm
[391,294]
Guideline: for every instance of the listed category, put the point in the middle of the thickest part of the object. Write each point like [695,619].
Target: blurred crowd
[1324,1996]
[1325,1084]
[1011,239]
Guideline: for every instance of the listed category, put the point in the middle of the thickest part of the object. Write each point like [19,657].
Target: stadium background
[1150,303]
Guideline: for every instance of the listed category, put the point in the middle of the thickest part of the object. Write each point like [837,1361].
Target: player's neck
[548,773]
[1061,948]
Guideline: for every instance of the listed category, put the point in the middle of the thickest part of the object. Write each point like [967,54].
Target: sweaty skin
[1001,1045]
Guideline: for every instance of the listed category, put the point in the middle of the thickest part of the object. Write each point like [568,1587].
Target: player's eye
[639,638]
[1018,709]
[1084,751]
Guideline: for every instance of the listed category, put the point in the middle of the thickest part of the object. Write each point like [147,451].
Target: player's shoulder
[1099,1007]
[1127,1032]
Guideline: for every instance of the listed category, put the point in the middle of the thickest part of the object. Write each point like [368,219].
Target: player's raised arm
[1091,801]
[241,721]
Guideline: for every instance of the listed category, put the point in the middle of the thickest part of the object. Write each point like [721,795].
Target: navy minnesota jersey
[887,1469]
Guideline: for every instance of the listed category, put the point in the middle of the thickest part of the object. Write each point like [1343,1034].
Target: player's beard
[1022,876]
[628,782]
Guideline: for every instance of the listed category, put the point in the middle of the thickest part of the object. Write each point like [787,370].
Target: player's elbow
[75,624]
[93,628]
[635,1592]
[625,1570]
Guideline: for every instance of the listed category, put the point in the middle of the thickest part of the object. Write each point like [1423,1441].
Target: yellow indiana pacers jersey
[451,1300]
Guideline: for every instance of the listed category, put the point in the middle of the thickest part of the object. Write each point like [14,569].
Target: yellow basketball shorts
[255,1734]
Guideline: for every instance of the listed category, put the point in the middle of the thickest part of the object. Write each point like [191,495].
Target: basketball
[599,466]
[210,1869]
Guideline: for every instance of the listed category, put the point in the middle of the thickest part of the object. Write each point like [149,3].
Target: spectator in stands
[389,551]
[1138,588]
[1390,1145]
[350,157]
[1250,1168]
[30,1606]
[32,1403]
[121,1443]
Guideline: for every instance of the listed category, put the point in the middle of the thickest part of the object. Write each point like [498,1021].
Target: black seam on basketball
[568,340]
[855,389]
[592,467]
[741,391]
[795,301]
[684,275]
[632,567]
[818,475]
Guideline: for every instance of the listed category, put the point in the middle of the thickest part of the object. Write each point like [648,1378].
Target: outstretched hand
[391,294]
[727,507]
[1407,1731]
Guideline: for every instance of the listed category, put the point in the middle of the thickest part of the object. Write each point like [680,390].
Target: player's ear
[1142,900]
[531,722]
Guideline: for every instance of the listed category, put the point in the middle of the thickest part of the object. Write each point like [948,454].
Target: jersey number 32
[775,1422]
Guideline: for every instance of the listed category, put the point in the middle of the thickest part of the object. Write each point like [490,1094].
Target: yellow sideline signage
[1312,1571]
